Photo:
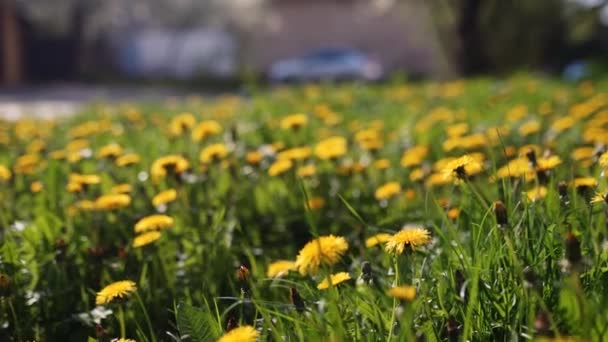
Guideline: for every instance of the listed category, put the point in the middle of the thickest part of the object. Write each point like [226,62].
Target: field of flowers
[466,210]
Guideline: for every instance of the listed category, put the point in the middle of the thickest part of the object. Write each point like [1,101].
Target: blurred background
[222,43]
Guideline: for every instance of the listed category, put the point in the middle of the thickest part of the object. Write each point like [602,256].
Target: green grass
[474,280]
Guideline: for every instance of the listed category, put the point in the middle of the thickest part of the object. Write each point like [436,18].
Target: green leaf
[196,324]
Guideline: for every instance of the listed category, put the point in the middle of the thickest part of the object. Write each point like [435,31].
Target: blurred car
[333,64]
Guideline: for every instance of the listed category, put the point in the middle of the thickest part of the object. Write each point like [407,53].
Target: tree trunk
[10,39]
[472,57]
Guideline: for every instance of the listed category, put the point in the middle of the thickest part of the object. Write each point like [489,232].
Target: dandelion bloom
[123,188]
[127,159]
[84,179]
[164,197]
[206,129]
[36,187]
[536,193]
[280,268]
[600,197]
[279,167]
[462,167]
[407,237]
[307,170]
[254,157]
[213,152]
[119,289]
[153,222]
[377,239]
[584,182]
[333,280]
[5,173]
[27,164]
[331,148]
[171,164]
[294,121]
[146,239]
[387,190]
[296,153]
[110,151]
[180,123]
[315,203]
[324,250]
[414,156]
[603,160]
[112,201]
[382,164]
[406,293]
[245,333]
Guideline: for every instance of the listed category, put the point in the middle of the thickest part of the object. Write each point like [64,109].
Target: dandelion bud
[243,273]
[562,190]
[60,250]
[296,300]
[542,325]
[366,272]
[231,324]
[573,249]
[5,284]
[501,214]
[452,329]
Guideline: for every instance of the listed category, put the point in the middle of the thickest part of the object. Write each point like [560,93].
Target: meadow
[433,211]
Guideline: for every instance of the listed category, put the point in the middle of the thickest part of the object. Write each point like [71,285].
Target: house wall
[399,38]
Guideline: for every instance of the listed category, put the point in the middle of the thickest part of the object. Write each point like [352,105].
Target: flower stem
[395,301]
[148,322]
[121,321]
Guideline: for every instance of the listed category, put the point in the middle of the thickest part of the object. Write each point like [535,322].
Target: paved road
[55,100]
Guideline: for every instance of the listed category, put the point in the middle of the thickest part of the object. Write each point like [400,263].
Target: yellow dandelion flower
[461,168]
[406,293]
[529,128]
[603,160]
[254,157]
[377,239]
[36,187]
[548,163]
[584,182]
[280,268]
[27,164]
[127,159]
[407,237]
[457,130]
[244,333]
[453,213]
[5,173]
[181,123]
[169,165]
[315,203]
[206,129]
[164,197]
[110,151]
[146,239]
[74,187]
[294,121]
[121,189]
[296,153]
[307,170]
[387,190]
[324,250]
[382,164]
[84,179]
[112,201]
[333,280]
[331,148]
[116,290]
[123,340]
[582,153]
[279,167]
[153,222]
[417,174]
[600,197]
[536,193]
[213,152]
[414,156]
